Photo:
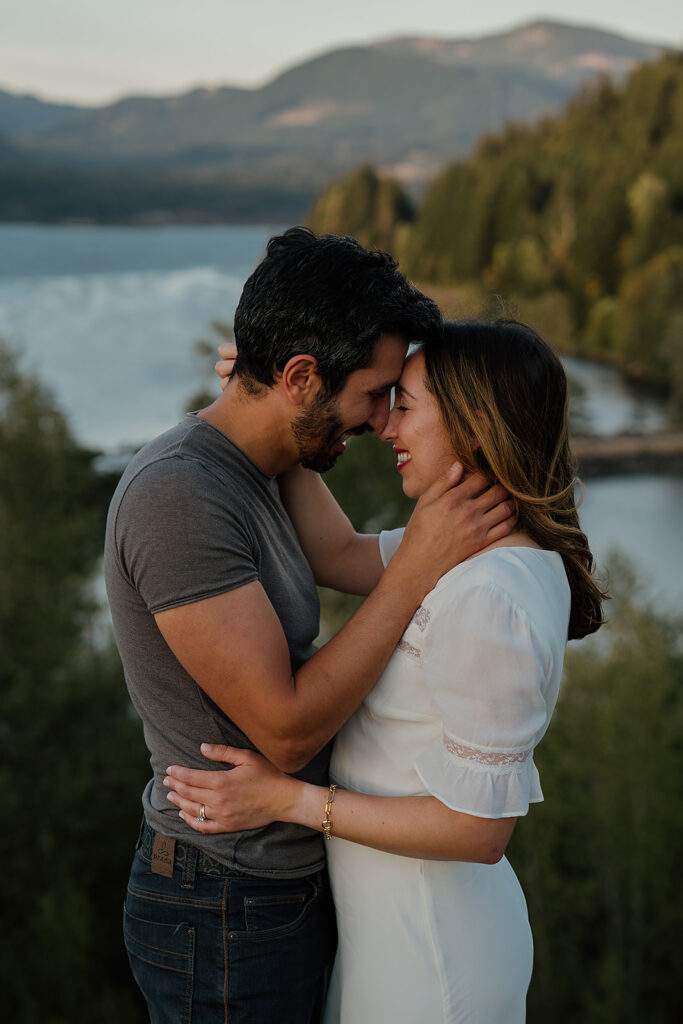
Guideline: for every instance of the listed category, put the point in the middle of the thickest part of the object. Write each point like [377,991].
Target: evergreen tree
[366,205]
[73,761]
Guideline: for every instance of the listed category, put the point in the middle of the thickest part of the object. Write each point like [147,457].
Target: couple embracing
[407,740]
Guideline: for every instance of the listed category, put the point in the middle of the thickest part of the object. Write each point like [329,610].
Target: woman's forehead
[412,375]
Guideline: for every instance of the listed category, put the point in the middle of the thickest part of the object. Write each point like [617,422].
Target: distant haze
[405,104]
[86,53]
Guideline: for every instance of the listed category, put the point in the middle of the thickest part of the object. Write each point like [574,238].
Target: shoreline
[660,452]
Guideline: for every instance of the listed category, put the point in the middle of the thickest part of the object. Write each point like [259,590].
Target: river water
[107,317]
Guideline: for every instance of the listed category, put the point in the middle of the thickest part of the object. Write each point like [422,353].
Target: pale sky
[92,52]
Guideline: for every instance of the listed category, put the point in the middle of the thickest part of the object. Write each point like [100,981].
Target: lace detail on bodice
[489,758]
[421,618]
[409,649]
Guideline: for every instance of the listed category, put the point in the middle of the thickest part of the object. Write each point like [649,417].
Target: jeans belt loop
[190,868]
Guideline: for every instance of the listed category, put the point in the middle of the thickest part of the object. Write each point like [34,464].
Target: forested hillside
[240,154]
[582,215]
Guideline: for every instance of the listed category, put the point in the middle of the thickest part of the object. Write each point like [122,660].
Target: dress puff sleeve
[486,668]
[389,541]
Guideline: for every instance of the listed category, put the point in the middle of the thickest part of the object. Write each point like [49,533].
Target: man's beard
[317,431]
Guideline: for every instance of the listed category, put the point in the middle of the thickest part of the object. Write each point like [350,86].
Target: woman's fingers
[199,794]
[227,350]
[250,794]
[217,815]
[183,803]
[207,827]
[199,777]
[190,811]
[443,483]
[188,805]
[224,368]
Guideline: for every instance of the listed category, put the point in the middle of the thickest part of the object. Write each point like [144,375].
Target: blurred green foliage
[598,860]
[366,205]
[584,211]
[73,763]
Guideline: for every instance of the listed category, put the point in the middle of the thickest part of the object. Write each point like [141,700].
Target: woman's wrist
[406,575]
[305,804]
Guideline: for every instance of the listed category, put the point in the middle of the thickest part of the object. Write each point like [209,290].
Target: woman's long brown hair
[502,393]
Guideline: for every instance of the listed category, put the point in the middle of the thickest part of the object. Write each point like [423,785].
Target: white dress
[457,712]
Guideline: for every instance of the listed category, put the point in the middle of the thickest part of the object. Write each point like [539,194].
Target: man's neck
[256,425]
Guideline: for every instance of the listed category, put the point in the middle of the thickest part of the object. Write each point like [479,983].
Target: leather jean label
[163,855]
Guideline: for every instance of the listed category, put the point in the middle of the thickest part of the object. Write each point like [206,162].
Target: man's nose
[389,431]
[377,422]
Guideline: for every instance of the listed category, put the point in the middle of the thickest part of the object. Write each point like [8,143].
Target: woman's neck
[516,539]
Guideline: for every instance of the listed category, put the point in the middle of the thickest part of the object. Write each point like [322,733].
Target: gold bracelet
[327,821]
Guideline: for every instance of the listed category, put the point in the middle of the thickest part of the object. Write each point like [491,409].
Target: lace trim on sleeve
[495,758]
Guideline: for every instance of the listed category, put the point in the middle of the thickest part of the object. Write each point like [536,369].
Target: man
[215,612]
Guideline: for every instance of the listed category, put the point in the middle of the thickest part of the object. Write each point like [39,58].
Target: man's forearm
[246,670]
[234,647]
[441,533]
[339,557]
[330,686]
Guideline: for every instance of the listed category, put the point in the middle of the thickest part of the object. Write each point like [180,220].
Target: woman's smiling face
[416,431]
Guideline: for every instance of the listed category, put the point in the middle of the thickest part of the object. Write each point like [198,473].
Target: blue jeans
[231,949]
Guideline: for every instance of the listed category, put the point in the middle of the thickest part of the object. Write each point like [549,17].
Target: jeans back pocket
[161,956]
[271,909]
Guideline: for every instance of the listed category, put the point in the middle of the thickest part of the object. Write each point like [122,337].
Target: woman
[437,764]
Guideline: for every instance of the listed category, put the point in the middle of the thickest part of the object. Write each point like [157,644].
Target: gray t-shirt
[193,517]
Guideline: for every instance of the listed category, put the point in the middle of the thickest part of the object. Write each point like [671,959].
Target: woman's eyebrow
[404,392]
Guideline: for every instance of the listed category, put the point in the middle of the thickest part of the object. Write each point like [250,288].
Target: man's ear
[300,379]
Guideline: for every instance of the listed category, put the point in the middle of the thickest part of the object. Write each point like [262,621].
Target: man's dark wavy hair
[326,296]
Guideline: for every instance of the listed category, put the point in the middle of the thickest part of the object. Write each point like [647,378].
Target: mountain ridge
[406,105]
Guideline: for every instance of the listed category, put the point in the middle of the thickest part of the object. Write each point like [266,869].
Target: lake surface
[107,317]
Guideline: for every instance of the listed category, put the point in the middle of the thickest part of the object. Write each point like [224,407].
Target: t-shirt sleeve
[486,668]
[389,541]
[181,537]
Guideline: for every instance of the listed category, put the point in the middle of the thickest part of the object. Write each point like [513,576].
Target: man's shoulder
[166,450]
[174,517]
[174,477]
[158,468]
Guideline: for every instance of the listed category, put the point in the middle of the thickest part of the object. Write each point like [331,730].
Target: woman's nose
[389,431]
